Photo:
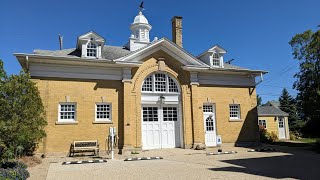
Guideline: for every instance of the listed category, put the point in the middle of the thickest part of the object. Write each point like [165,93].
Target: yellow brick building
[155,93]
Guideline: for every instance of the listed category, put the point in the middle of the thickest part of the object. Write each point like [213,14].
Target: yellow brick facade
[125,97]
[272,124]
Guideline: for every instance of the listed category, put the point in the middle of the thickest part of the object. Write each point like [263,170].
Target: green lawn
[308,140]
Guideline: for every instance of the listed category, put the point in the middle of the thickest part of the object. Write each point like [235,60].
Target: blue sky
[255,33]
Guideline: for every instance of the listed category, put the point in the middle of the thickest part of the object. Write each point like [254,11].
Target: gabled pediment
[214,49]
[90,36]
[168,47]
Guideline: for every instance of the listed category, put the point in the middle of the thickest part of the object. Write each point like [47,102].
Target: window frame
[103,119]
[167,84]
[239,112]
[67,120]
[265,122]
[90,48]
[216,58]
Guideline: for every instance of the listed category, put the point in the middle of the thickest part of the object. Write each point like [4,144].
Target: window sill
[102,122]
[66,123]
[235,120]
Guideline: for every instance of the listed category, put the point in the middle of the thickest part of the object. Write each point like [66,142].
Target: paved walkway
[190,164]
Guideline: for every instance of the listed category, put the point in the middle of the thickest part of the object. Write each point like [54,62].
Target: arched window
[215,59]
[91,50]
[159,83]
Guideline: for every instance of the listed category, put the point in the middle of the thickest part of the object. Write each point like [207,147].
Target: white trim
[103,119]
[167,46]
[213,105]
[223,79]
[265,122]
[67,120]
[167,76]
[238,112]
[72,71]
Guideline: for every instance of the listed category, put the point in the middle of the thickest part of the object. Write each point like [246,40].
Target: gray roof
[108,52]
[273,103]
[270,111]
[231,66]
[114,52]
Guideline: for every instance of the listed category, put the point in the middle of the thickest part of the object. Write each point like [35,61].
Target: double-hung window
[103,112]
[234,111]
[67,112]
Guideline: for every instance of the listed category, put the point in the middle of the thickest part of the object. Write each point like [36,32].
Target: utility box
[219,140]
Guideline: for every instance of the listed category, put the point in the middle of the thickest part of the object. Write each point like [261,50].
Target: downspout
[27,64]
[261,79]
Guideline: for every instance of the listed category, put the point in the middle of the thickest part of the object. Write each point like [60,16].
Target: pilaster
[197,121]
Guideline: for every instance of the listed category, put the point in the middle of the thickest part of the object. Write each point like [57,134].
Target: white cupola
[140,29]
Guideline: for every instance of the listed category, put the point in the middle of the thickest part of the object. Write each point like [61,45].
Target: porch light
[162,99]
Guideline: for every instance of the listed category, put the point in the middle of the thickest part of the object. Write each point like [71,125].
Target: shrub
[267,137]
[13,170]
[22,116]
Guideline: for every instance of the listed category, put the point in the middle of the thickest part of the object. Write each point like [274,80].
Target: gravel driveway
[287,162]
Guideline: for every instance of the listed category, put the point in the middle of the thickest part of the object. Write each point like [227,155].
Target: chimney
[61,41]
[177,30]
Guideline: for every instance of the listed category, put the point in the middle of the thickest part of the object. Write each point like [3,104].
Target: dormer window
[216,59]
[90,45]
[91,49]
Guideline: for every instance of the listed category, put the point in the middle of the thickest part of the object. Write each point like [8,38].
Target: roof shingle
[270,111]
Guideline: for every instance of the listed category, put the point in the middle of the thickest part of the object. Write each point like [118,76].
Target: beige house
[274,120]
[157,94]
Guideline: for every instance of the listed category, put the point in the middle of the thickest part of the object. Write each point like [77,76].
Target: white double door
[160,126]
[209,118]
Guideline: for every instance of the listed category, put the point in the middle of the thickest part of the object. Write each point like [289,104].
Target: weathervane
[141,7]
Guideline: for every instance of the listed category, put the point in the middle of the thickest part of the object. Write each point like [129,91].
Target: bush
[294,135]
[13,170]
[22,116]
[267,137]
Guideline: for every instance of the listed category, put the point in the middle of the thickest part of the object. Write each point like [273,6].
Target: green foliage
[259,100]
[306,49]
[267,137]
[288,105]
[295,135]
[22,119]
[13,170]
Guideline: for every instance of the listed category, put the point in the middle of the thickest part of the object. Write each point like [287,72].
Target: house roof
[121,52]
[273,103]
[270,111]
[108,52]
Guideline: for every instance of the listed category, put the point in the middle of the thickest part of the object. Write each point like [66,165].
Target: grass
[308,140]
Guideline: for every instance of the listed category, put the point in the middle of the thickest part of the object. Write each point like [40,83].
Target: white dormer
[140,29]
[213,56]
[90,45]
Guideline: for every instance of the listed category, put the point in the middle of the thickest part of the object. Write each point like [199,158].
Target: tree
[259,100]
[306,49]
[288,105]
[22,119]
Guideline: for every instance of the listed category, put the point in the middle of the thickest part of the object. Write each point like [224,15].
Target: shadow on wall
[297,163]
[249,132]
[118,86]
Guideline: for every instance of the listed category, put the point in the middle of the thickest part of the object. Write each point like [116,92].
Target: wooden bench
[84,146]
